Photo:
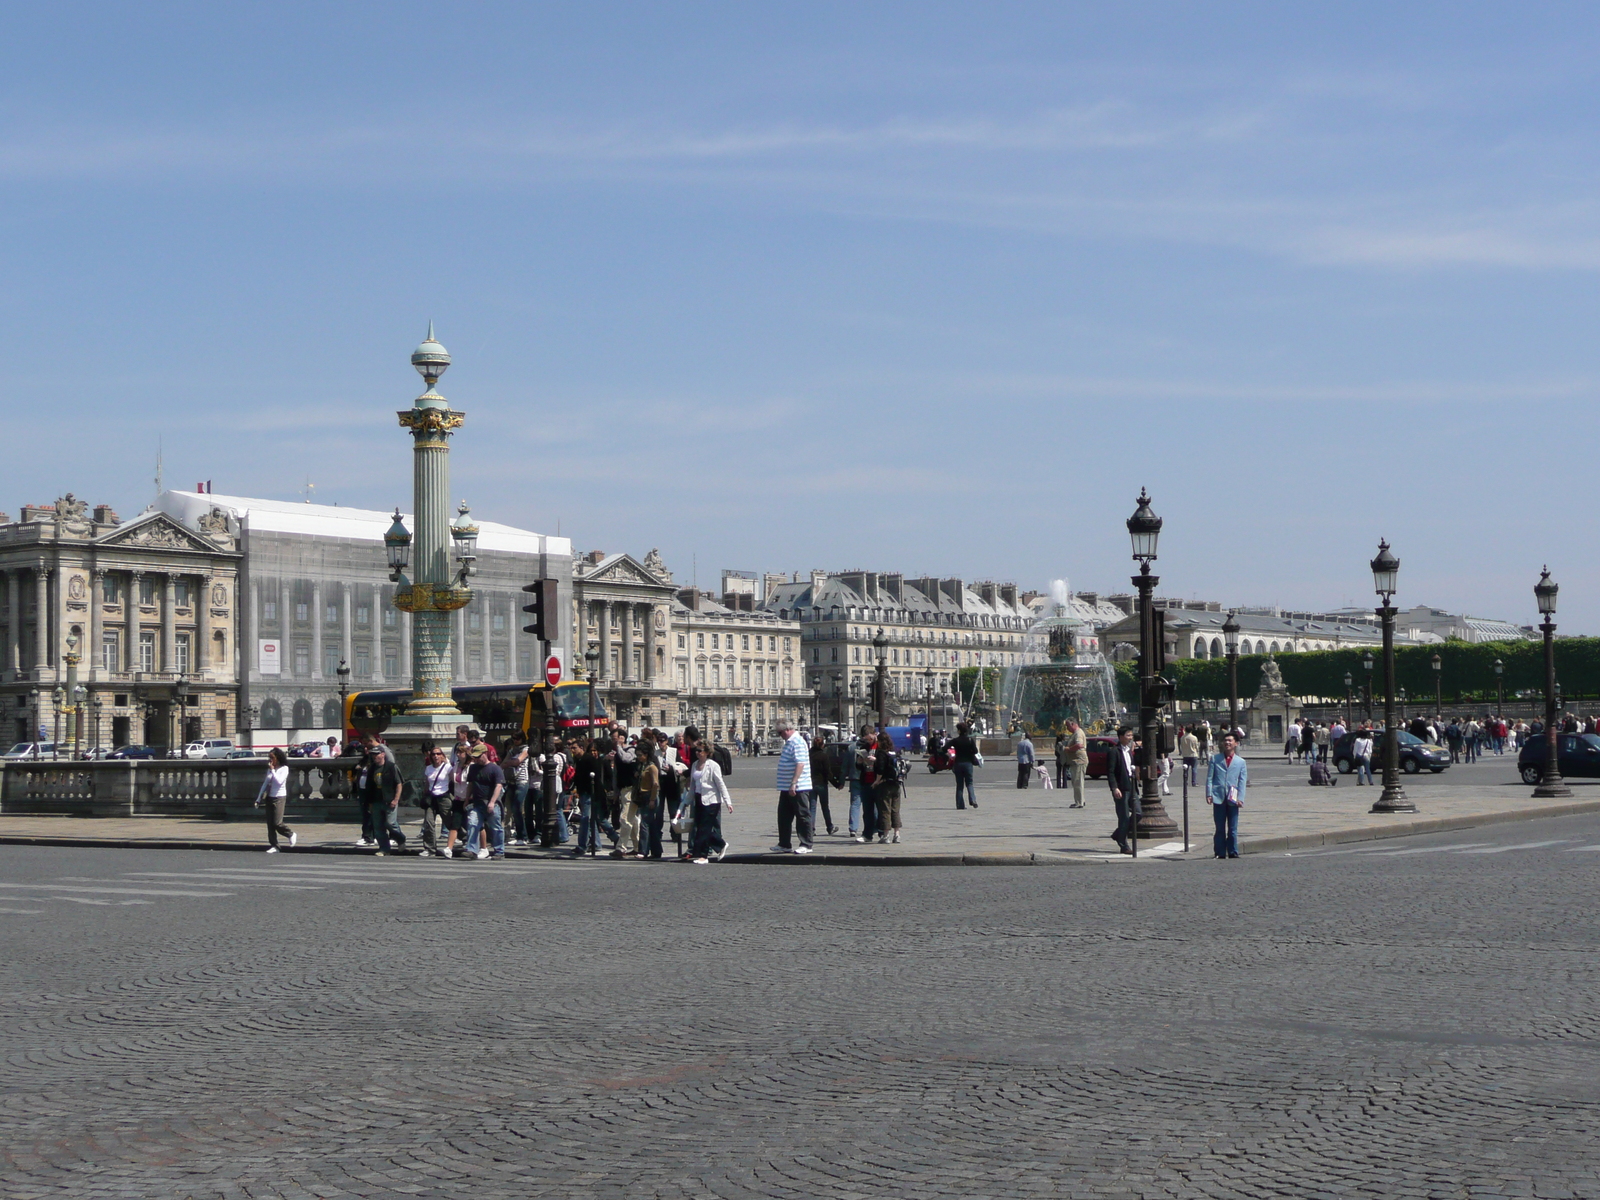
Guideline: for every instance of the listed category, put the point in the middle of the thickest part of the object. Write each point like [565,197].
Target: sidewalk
[1012,827]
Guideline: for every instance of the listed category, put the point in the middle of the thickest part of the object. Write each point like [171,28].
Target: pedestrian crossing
[139,888]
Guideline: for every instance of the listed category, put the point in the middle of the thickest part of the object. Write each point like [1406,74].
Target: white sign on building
[269,657]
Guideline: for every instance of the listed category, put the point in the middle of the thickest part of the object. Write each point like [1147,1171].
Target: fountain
[1076,682]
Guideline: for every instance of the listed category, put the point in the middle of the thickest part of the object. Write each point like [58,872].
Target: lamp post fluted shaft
[1393,798]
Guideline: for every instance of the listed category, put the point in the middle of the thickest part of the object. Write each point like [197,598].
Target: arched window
[271,715]
[330,714]
[302,714]
[1200,647]
[1274,647]
[1216,647]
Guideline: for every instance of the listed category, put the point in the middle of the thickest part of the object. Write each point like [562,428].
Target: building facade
[934,627]
[737,667]
[315,592]
[622,610]
[139,614]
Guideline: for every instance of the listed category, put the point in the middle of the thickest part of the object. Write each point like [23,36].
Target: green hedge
[1466,671]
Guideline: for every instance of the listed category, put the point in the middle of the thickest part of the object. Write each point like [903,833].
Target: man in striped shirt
[794,790]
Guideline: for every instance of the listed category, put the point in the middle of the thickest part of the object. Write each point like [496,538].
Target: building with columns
[736,666]
[622,609]
[315,591]
[934,628]
[142,614]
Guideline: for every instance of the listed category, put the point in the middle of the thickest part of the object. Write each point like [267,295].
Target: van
[210,748]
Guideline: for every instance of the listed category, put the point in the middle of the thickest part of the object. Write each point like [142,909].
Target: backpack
[723,759]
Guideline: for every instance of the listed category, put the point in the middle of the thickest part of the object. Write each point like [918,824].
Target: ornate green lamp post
[436,590]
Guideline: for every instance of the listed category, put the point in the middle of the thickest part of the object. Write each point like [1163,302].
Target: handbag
[977,760]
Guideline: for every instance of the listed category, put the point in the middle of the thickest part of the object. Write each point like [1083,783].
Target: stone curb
[1407,828]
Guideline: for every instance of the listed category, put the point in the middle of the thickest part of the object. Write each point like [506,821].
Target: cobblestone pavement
[1282,811]
[1416,1018]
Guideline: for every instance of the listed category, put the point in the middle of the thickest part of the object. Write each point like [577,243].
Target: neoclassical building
[737,667]
[142,612]
[315,591]
[934,628]
[621,609]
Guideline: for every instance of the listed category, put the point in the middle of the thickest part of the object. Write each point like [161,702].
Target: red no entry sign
[552,670]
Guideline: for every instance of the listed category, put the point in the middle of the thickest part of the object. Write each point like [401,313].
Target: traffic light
[543,609]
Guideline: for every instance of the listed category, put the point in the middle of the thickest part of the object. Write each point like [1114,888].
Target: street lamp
[465,535]
[1366,663]
[79,695]
[1144,530]
[71,658]
[591,661]
[1230,634]
[60,698]
[838,701]
[1385,575]
[343,672]
[880,646]
[1438,675]
[1400,697]
[1499,688]
[397,544]
[1349,710]
[1544,592]
[96,706]
[180,693]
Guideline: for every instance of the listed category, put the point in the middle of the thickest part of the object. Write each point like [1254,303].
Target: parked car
[1100,747]
[135,752]
[1578,755]
[1416,755]
[26,750]
[305,749]
[209,748]
[243,753]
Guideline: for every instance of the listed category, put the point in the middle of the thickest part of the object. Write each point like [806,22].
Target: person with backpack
[822,773]
[886,785]
[869,802]
[794,790]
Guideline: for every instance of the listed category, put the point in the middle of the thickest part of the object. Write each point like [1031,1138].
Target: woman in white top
[274,794]
[710,793]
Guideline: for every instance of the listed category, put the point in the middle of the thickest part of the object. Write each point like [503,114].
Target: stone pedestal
[1269,715]
[409,735]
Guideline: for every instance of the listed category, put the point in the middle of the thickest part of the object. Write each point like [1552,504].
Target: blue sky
[932,288]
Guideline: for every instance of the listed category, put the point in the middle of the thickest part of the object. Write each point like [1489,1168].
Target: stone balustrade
[215,788]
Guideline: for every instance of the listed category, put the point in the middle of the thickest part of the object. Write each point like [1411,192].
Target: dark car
[1100,748]
[135,752]
[1577,753]
[1416,755]
[305,750]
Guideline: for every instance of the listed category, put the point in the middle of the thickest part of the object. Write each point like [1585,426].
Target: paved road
[1413,1017]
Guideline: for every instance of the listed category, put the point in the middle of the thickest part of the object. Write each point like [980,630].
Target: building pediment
[622,570]
[157,531]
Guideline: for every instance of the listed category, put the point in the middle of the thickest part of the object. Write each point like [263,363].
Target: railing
[216,788]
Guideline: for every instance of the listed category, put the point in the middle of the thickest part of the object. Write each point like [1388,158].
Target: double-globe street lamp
[1230,635]
[1349,701]
[1385,576]
[1144,530]
[1499,688]
[1438,693]
[1550,783]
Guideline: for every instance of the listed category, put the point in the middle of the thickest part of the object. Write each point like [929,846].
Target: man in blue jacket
[1225,784]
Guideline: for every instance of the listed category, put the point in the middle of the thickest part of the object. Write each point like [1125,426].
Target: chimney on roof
[689,597]
[953,590]
[104,514]
[1089,598]
[892,584]
[1008,594]
[771,583]
[989,592]
[818,578]
[594,556]
[739,601]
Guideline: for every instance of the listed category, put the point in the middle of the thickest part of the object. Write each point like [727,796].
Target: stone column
[130,614]
[345,630]
[604,607]
[627,641]
[650,646]
[94,656]
[251,635]
[405,645]
[316,630]
[488,636]
[169,636]
[202,626]
[458,647]
[13,661]
[514,637]
[41,619]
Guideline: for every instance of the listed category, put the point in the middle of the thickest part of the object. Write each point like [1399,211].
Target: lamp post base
[1155,823]
[1552,789]
[1393,800]
[406,737]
